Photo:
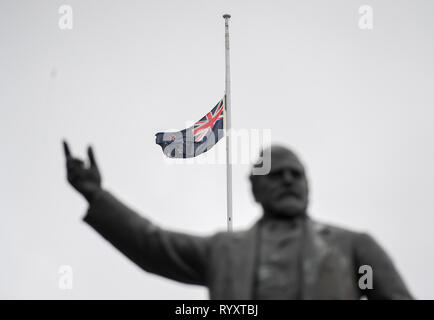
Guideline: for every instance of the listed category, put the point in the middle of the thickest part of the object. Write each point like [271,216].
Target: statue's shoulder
[225,235]
[230,237]
[333,229]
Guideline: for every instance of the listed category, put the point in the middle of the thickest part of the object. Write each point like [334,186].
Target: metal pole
[228,125]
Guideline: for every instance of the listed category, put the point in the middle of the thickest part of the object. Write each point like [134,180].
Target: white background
[355,104]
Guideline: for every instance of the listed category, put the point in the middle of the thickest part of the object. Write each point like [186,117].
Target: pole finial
[226,16]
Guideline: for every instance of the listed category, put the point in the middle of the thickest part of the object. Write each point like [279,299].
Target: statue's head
[284,190]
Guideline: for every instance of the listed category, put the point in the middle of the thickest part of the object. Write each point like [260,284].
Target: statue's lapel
[244,261]
[314,251]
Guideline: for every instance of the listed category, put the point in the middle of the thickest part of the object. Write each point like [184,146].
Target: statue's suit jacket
[225,262]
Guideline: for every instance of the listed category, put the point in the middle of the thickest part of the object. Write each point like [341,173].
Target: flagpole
[228,125]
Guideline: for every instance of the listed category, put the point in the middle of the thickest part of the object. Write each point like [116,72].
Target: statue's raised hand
[85,179]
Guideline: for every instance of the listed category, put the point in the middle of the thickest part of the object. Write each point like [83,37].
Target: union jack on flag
[207,123]
[197,139]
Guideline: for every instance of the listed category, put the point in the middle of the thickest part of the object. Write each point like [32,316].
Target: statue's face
[284,191]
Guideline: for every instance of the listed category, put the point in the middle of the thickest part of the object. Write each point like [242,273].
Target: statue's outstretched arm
[170,254]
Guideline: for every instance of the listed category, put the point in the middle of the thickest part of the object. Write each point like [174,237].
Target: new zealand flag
[197,139]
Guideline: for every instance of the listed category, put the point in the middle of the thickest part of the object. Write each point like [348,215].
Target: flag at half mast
[198,138]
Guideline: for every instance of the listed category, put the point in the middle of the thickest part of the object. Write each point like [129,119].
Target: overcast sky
[356,105]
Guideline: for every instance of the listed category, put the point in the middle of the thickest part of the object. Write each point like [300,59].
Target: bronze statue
[284,255]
